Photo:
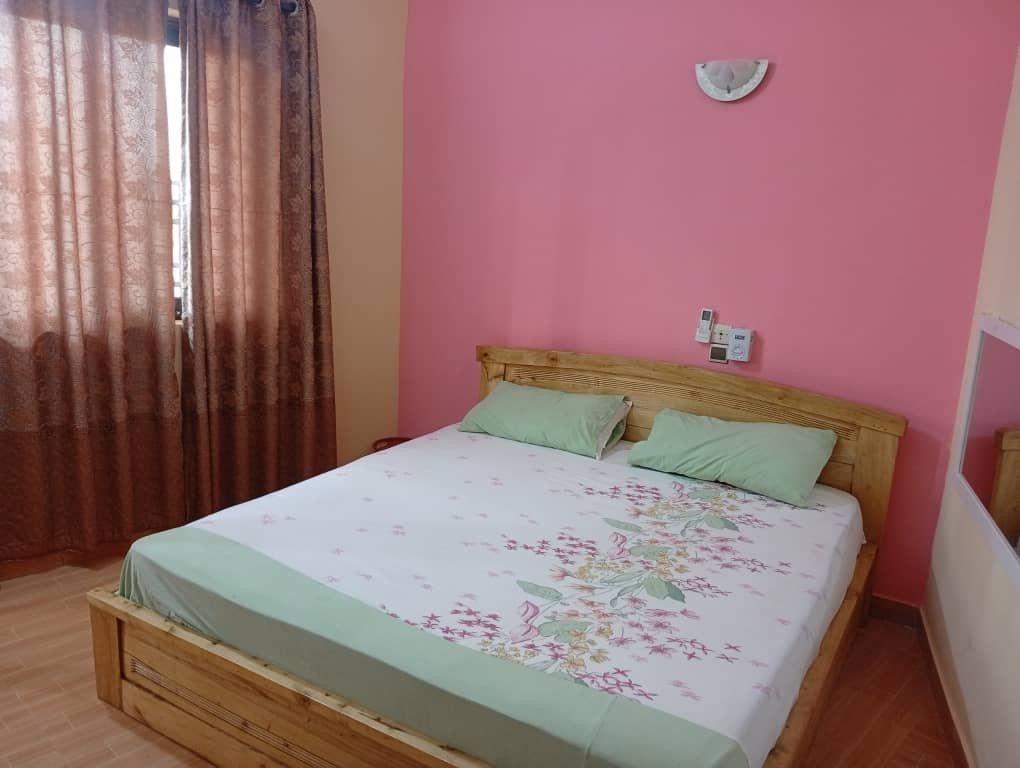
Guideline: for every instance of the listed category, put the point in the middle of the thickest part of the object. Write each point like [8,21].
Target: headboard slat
[650,397]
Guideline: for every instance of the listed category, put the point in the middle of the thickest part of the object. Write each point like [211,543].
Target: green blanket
[494,709]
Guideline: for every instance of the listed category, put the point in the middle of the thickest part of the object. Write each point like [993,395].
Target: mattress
[527,606]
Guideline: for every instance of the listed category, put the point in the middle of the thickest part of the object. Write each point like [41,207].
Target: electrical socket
[720,334]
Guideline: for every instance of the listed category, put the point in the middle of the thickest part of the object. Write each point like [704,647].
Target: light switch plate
[720,333]
[741,340]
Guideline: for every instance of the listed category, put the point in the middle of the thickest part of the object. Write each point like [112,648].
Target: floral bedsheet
[696,598]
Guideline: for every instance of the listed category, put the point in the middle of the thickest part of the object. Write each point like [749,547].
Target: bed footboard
[234,710]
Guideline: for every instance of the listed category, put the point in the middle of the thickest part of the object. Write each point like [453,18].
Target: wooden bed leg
[106,650]
[866,596]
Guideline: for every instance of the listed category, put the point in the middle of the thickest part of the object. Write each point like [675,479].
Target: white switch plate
[720,333]
[741,341]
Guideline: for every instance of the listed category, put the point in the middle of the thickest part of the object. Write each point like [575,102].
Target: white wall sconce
[730,79]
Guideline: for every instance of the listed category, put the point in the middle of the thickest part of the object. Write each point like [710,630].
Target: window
[175,117]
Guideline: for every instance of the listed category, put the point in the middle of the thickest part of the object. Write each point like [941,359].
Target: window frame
[173,38]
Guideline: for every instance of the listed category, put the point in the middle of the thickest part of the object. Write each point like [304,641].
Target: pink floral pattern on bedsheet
[632,593]
[692,597]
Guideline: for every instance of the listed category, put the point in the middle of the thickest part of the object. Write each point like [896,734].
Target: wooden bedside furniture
[387,442]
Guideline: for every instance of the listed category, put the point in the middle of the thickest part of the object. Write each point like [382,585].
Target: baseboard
[95,558]
[960,754]
[884,609]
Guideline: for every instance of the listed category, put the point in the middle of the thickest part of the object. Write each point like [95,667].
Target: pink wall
[996,404]
[567,185]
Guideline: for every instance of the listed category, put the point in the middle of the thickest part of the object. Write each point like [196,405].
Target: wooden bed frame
[235,710]
[1005,504]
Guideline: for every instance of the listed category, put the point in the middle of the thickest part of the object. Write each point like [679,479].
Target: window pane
[172,65]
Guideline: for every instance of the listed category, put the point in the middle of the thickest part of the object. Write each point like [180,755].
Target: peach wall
[972,606]
[567,185]
[361,62]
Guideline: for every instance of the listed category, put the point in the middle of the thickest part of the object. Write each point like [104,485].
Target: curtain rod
[287,7]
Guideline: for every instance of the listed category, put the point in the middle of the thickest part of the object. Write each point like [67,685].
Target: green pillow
[782,461]
[579,423]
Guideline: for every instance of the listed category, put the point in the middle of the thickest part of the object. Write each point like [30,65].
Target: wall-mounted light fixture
[730,79]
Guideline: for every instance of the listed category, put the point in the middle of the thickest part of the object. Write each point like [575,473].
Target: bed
[714,617]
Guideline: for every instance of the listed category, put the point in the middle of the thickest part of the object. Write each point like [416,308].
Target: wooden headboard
[1005,507]
[862,462]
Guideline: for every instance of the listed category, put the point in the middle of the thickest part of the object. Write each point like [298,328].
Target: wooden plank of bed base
[235,710]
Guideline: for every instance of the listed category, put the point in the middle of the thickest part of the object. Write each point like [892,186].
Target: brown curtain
[90,429]
[258,363]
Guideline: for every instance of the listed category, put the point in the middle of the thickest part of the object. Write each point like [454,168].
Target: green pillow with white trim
[575,422]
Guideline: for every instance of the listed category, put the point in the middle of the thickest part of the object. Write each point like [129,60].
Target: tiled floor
[49,714]
[882,713]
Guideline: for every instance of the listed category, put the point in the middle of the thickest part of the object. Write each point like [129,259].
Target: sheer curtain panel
[90,424]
